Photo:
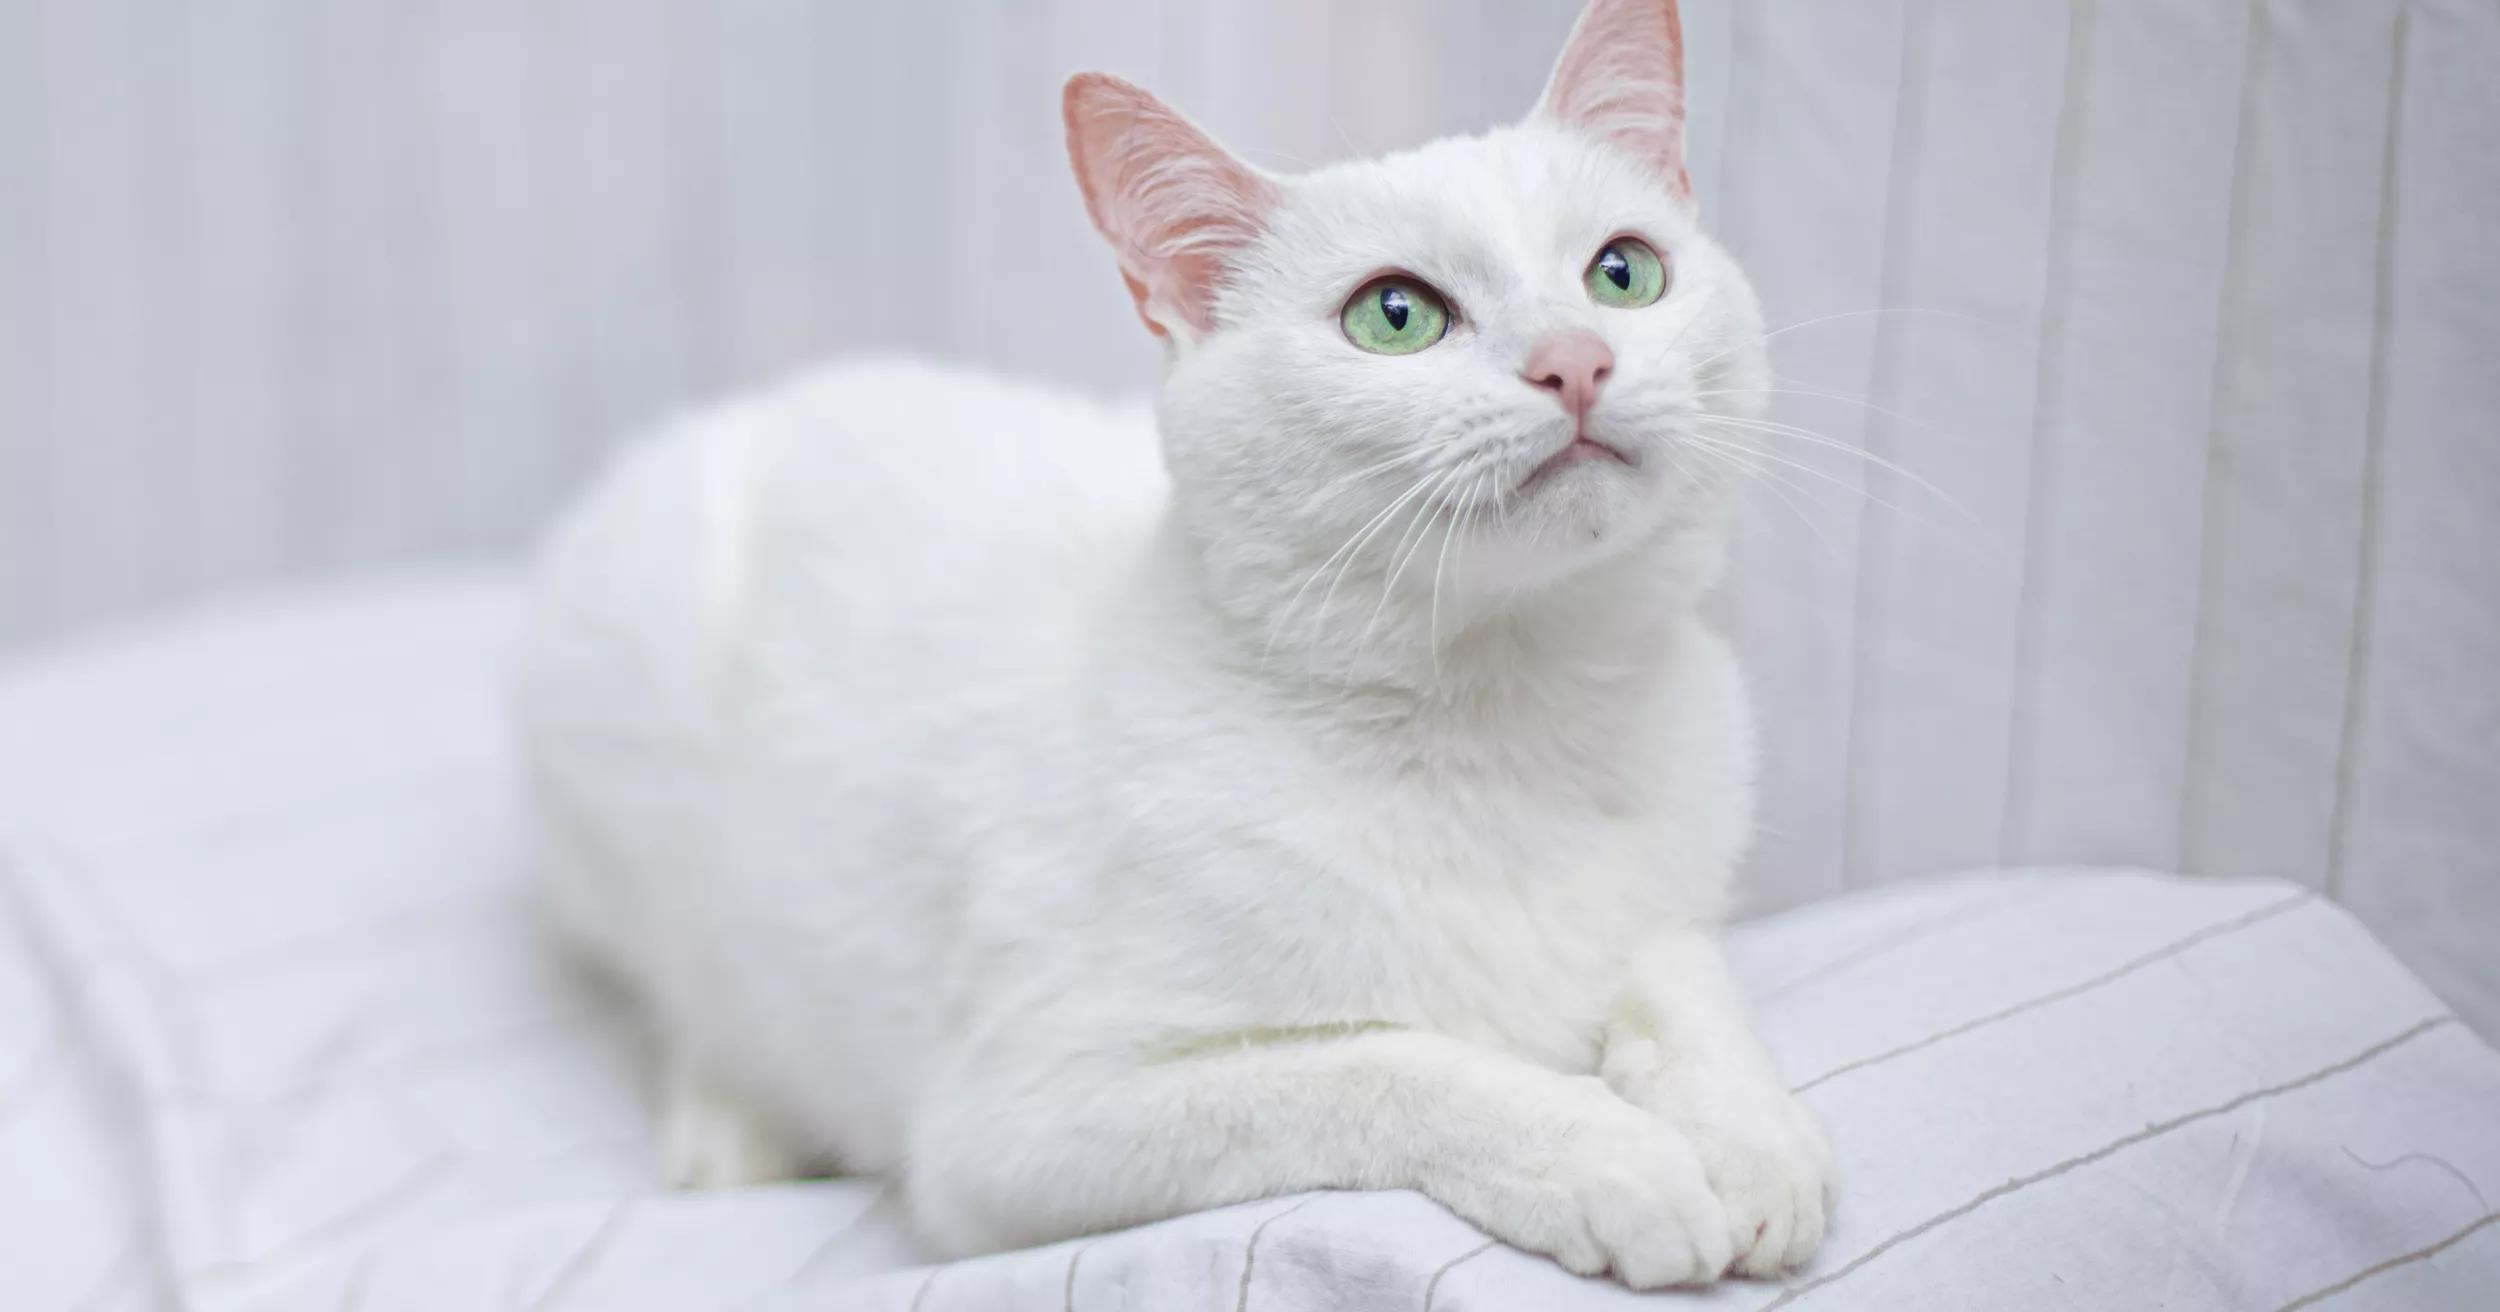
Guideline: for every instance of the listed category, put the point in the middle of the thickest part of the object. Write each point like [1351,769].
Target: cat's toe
[1771,1168]
[1627,1194]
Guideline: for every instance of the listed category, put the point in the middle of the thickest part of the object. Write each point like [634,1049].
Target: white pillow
[277,1031]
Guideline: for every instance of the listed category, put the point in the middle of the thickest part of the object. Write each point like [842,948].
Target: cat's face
[1559,316]
[1492,348]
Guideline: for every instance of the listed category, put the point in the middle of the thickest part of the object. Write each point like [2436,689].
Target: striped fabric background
[2199,302]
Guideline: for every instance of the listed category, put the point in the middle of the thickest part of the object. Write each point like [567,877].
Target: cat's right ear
[1621,79]
[1174,205]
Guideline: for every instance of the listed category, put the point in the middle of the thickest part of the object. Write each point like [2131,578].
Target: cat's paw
[1771,1167]
[711,1140]
[1618,1190]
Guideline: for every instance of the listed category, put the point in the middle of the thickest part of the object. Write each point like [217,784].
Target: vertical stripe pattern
[2174,317]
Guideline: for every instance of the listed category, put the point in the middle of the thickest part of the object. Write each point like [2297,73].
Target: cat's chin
[1583,454]
[1574,516]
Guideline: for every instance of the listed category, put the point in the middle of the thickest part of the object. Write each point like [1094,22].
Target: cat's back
[876,502]
[860,561]
[897,488]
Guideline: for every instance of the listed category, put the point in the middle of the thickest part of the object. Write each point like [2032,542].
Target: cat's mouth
[1582,450]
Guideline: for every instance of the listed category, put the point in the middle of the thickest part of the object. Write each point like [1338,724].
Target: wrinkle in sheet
[2244,1149]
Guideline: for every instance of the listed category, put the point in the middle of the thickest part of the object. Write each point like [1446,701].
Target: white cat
[1351,807]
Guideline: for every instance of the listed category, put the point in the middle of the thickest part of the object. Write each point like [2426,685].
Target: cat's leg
[1681,1043]
[712,1139]
[1022,1154]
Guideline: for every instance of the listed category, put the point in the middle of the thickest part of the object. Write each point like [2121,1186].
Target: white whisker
[1842,397]
[1441,560]
[1402,458]
[1707,361]
[1423,522]
[1345,554]
[1728,444]
[1770,481]
[1770,427]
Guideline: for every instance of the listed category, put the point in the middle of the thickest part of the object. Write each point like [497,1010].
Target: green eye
[1627,274]
[1395,316]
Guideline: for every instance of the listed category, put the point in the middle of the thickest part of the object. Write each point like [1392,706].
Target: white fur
[970,801]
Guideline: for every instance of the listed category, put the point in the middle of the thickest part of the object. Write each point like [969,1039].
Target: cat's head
[1491,348]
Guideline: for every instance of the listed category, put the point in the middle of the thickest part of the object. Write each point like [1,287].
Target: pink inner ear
[1173,204]
[1621,79]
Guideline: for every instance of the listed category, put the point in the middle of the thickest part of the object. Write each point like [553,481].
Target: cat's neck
[1567,656]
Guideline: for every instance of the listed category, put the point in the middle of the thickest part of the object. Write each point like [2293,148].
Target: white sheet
[276,1032]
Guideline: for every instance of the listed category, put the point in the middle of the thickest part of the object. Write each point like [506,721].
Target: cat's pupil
[1393,307]
[1617,269]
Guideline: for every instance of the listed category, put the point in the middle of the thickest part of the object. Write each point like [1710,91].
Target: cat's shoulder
[896,435]
[891,395]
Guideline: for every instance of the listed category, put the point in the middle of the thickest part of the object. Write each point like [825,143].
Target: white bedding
[276,1031]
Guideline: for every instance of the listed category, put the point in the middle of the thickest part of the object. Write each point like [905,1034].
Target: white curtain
[2178,318]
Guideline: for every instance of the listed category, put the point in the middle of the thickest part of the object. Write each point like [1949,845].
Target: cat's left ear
[1176,207]
[1621,80]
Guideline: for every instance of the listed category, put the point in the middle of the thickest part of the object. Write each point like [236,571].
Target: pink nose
[1571,365]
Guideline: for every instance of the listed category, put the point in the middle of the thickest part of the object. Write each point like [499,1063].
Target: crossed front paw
[1610,1189]
[1770,1166]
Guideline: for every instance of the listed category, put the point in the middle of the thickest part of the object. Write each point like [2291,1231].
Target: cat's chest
[1522,975]
[1510,923]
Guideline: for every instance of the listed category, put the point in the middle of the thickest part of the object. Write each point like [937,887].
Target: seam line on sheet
[1250,1250]
[1906,935]
[2048,396]
[2152,1131]
[2213,540]
[1067,1287]
[2163,953]
[2373,442]
[921,1295]
[1432,1287]
[2405,1259]
[1885,367]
